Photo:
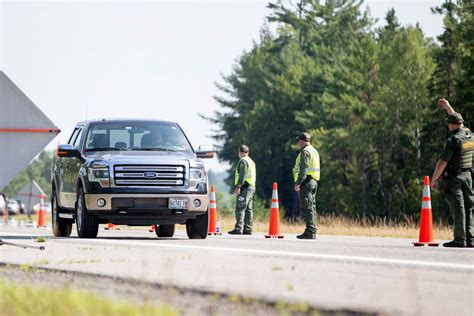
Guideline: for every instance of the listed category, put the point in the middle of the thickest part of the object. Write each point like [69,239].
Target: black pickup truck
[129,172]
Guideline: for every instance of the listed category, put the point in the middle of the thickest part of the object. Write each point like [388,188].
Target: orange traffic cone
[274,228]
[111,226]
[41,213]
[426,221]
[213,213]
[152,228]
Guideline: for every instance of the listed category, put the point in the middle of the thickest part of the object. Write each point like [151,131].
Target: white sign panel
[24,130]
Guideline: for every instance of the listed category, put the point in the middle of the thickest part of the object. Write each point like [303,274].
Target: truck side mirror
[68,151]
[205,152]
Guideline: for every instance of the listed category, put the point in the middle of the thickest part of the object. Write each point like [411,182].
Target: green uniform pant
[244,209]
[307,199]
[460,198]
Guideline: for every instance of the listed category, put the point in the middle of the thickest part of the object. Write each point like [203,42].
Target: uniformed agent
[306,175]
[245,176]
[455,166]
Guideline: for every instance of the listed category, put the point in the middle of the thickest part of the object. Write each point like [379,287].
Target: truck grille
[149,175]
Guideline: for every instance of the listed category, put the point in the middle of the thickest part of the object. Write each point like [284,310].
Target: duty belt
[452,172]
[308,178]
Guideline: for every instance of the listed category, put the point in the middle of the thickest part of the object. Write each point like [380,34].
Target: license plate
[178,203]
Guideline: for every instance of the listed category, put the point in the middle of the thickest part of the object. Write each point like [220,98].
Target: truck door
[69,165]
[62,166]
[75,166]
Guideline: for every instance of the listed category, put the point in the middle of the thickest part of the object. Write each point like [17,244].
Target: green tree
[446,55]
[465,80]
[38,170]
[405,70]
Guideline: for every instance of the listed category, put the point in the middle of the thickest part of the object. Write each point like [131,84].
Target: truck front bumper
[142,202]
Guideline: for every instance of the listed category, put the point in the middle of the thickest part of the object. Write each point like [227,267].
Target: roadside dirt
[186,301]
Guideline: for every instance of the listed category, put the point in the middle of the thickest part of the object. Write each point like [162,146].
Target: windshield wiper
[106,149]
[152,149]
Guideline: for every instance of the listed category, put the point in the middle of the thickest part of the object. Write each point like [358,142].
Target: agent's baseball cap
[244,148]
[304,136]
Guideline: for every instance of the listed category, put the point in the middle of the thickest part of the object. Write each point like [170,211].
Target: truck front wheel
[61,227]
[197,228]
[87,224]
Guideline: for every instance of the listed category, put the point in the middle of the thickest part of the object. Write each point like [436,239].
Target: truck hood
[137,157]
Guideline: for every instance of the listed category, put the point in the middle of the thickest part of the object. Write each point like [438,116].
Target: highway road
[381,275]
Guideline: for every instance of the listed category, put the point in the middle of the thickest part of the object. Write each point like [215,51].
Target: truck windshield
[140,136]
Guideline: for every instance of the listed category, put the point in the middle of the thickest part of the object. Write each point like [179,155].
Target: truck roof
[83,123]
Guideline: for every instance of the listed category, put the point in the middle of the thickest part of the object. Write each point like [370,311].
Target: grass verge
[331,225]
[24,300]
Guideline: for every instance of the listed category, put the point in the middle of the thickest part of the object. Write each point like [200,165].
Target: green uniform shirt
[458,148]
[449,147]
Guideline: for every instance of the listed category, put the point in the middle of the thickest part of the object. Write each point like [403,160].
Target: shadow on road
[138,238]
[131,238]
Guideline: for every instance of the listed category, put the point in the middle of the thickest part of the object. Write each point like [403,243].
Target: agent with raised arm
[455,165]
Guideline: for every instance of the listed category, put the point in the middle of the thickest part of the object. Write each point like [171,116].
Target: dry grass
[327,225]
[34,218]
[337,225]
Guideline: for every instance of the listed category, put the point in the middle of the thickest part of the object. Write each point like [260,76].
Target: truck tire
[61,227]
[164,230]
[197,228]
[86,223]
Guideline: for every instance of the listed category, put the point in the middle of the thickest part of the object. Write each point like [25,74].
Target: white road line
[304,255]
[402,262]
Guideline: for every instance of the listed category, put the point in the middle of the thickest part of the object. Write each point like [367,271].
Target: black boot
[306,235]
[235,232]
[455,244]
[470,244]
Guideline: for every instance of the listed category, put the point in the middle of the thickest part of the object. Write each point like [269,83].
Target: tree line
[367,94]
[38,170]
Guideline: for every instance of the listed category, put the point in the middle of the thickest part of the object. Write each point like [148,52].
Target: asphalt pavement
[382,275]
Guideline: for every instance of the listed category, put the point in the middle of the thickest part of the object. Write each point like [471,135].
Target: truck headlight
[197,173]
[99,172]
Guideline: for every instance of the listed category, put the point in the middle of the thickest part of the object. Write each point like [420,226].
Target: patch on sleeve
[468,145]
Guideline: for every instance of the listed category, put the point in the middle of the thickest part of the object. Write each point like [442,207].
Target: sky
[141,59]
